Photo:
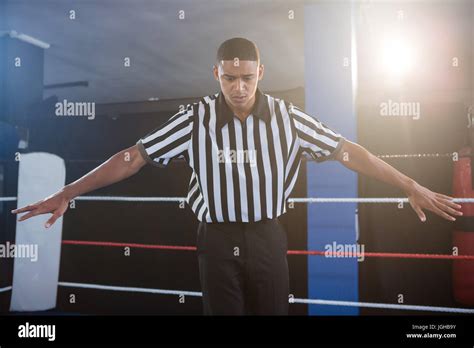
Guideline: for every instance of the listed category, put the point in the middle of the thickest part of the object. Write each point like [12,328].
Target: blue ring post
[330,97]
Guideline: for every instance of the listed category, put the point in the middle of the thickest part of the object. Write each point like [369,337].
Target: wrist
[409,186]
[67,192]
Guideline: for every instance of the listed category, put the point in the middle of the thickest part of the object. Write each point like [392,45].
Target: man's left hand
[422,198]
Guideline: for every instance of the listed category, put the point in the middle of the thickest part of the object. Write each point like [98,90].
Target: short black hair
[238,47]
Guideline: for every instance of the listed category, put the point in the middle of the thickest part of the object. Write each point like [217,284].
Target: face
[238,81]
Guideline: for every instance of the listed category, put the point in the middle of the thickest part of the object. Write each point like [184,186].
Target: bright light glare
[398,58]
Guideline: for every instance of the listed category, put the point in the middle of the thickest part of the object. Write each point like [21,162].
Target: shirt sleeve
[168,141]
[315,138]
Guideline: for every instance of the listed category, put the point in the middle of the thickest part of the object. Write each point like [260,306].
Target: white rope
[291,300]
[418,155]
[7,199]
[130,199]
[349,200]
[383,305]
[8,288]
[365,200]
[290,200]
[130,289]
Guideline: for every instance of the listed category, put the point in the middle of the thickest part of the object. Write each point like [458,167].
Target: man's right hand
[117,168]
[56,204]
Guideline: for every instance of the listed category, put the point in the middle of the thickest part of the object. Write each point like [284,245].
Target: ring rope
[7,199]
[290,300]
[304,158]
[8,288]
[290,200]
[418,155]
[130,289]
[384,306]
[290,252]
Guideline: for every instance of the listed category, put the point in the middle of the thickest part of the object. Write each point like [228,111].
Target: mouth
[239,98]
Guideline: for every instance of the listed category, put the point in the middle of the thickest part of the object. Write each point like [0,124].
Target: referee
[244,148]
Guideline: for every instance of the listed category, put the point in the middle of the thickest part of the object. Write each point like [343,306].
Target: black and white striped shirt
[241,171]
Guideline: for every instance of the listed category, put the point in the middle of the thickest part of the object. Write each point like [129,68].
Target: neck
[243,113]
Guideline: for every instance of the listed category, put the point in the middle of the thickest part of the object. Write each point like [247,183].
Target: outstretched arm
[357,158]
[117,168]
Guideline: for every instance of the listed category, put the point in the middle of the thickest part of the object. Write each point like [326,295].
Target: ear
[215,71]
[261,70]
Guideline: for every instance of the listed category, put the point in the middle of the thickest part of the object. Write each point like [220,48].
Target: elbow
[137,162]
[352,155]
[132,158]
[345,152]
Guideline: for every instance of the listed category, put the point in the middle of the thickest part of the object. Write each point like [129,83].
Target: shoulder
[202,102]
[279,101]
[207,100]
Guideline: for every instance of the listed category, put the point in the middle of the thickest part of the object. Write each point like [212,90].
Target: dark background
[442,29]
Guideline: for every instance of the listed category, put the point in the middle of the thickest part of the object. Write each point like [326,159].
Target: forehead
[242,68]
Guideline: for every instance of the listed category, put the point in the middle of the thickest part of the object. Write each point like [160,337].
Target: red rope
[290,252]
[132,245]
[393,255]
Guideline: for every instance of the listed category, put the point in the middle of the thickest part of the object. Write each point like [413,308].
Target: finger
[38,211]
[52,220]
[29,215]
[449,207]
[24,209]
[441,213]
[444,196]
[420,213]
[446,208]
[451,203]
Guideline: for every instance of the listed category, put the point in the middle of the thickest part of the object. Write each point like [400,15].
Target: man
[244,148]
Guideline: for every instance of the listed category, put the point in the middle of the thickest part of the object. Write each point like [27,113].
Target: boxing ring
[292,253]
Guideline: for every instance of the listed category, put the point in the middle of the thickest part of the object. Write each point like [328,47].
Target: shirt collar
[260,109]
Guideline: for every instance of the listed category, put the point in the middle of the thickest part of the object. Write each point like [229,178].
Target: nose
[240,85]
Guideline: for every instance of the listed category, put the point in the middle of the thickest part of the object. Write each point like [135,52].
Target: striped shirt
[241,171]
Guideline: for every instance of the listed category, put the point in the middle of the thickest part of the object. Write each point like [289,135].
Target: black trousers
[243,268]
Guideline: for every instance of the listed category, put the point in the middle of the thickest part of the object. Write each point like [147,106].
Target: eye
[229,78]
